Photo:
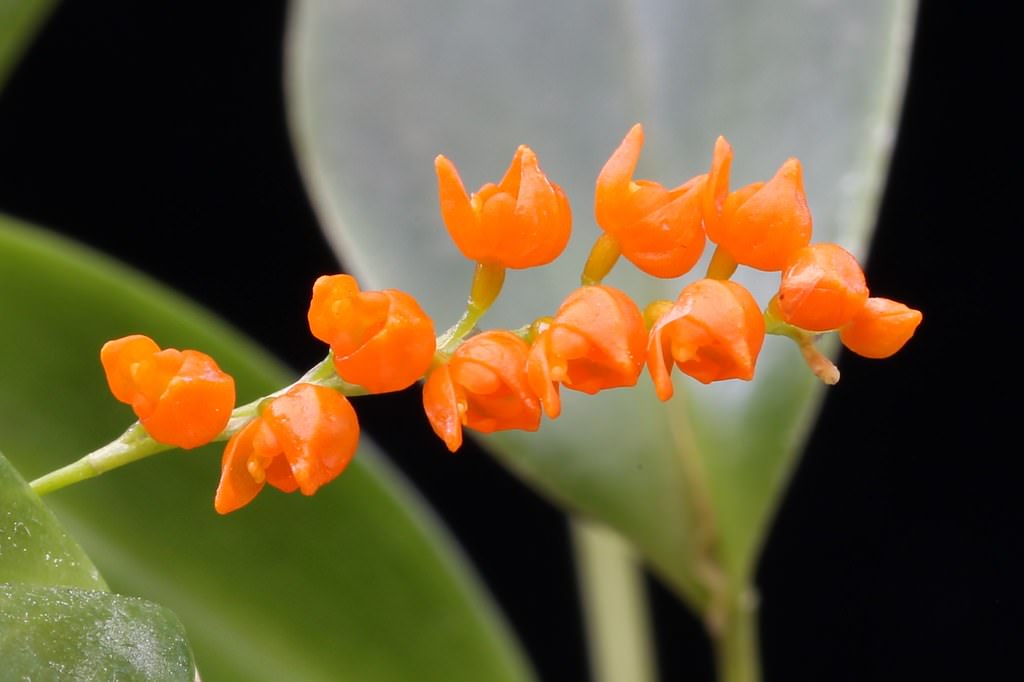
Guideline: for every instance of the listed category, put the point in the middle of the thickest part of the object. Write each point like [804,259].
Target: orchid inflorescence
[304,435]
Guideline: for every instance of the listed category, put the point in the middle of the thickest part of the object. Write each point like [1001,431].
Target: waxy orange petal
[657,229]
[381,340]
[714,332]
[595,341]
[822,288]
[761,225]
[523,221]
[881,328]
[182,398]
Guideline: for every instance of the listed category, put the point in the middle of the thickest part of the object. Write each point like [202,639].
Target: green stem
[135,444]
[614,606]
[736,646]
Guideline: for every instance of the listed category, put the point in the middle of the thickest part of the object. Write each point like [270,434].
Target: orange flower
[761,224]
[595,341]
[822,288]
[381,340]
[300,440]
[881,328]
[713,332]
[659,230]
[182,398]
[521,222]
[483,386]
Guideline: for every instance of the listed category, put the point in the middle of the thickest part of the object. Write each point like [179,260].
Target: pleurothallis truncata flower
[381,340]
[881,328]
[181,397]
[300,440]
[714,331]
[483,386]
[659,230]
[595,341]
[521,222]
[759,225]
[822,288]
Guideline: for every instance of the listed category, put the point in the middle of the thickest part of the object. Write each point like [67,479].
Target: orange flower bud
[181,398]
[659,230]
[381,340]
[822,288]
[713,332]
[881,328]
[300,441]
[521,222]
[595,341]
[484,387]
[761,224]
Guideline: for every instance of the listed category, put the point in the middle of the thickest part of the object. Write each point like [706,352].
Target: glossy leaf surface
[67,633]
[34,547]
[376,90]
[357,582]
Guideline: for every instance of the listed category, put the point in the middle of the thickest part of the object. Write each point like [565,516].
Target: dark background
[897,551]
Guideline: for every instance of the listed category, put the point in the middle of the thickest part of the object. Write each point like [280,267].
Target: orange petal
[881,328]
[318,432]
[614,182]
[237,487]
[773,222]
[538,373]
[441,404]
[822,288]
[195,405]
[456,210]
[118,357]
[398,355]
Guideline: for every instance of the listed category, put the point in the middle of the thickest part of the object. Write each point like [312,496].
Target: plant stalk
[615,609]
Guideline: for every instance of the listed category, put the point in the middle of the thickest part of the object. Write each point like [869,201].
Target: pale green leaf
[376,90]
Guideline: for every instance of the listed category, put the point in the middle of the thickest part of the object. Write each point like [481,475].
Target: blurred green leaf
[357,582]
[19,21]
[34,547]
[376,90]
[67,633]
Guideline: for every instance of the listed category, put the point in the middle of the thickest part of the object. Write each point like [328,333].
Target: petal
[614,182]
[538,372]
[822,288]
[456,210]
[237,487]
[441,404]
[881,328]
[195,405]
[398,355]
[318,431]
[118,357]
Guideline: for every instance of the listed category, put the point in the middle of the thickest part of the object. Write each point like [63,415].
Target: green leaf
[357,582]
[19,22]
[67,633]
[34,547]
[377,90]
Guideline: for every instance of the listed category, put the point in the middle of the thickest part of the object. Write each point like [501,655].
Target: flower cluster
[598,338]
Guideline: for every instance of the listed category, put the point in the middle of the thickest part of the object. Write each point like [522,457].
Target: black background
[897,551]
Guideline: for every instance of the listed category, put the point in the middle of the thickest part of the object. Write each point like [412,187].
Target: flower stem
[488,279]
[614,606]
[132,445]
[603,256]
[135,444]
[736,648]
